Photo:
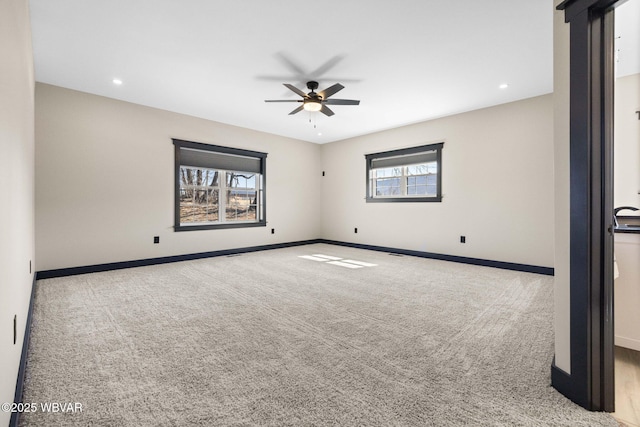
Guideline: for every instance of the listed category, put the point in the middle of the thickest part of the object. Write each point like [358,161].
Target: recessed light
[503,86]
[117,82]
[319,133]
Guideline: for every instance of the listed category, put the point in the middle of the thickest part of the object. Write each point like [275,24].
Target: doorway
[590,382]
[591,261]
[626,198]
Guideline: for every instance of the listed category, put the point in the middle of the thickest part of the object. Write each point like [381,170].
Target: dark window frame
[405,152]
[179,144]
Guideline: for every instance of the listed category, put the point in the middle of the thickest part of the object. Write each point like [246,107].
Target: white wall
[16,187]
[497,187]
[627,143]
[561,185]
[104,182]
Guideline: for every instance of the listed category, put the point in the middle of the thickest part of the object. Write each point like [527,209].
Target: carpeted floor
[280,338]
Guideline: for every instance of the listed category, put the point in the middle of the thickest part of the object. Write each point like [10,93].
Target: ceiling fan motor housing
[313,101]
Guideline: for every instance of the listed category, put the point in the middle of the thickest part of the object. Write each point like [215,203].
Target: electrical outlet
[463,239]
[156,239]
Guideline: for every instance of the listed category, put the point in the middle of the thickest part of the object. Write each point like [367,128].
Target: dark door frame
[591,381]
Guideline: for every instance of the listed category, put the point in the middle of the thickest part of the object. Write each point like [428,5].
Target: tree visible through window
[410,174]
[218,187]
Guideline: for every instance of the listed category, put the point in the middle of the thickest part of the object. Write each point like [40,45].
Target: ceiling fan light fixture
[313,101]
[312,105]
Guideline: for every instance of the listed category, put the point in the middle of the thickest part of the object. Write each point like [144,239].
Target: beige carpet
[280,338]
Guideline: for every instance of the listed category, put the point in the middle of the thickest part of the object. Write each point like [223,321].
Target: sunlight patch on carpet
[362,263]
[344,264]
[334,260]
[312,258]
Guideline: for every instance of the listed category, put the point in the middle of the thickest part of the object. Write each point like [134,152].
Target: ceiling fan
[313,101]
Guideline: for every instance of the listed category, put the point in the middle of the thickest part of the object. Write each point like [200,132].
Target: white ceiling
[406,60]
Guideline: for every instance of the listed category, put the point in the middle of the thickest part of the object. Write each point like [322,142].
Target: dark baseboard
[61,272]
[566,386]
[549,271]
[47,274]
[560,380]
[17,397]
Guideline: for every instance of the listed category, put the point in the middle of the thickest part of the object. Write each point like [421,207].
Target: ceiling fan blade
[283,100]
[330,90]
[296,90]
[291,64]
[342,102]
[329,64]
[326,111]
[297,110]
[276,78]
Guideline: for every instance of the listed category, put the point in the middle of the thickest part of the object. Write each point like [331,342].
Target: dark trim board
[48,274]
[17,397]
[560,380]
[591,382]
[548,271]
[72,271]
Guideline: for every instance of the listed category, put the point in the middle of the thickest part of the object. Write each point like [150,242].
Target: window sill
[403,199]
[219,226]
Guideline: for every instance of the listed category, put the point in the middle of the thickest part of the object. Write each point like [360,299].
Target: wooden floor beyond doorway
[627,387]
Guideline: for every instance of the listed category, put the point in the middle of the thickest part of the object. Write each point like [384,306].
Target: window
[218,187]
[406,175]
